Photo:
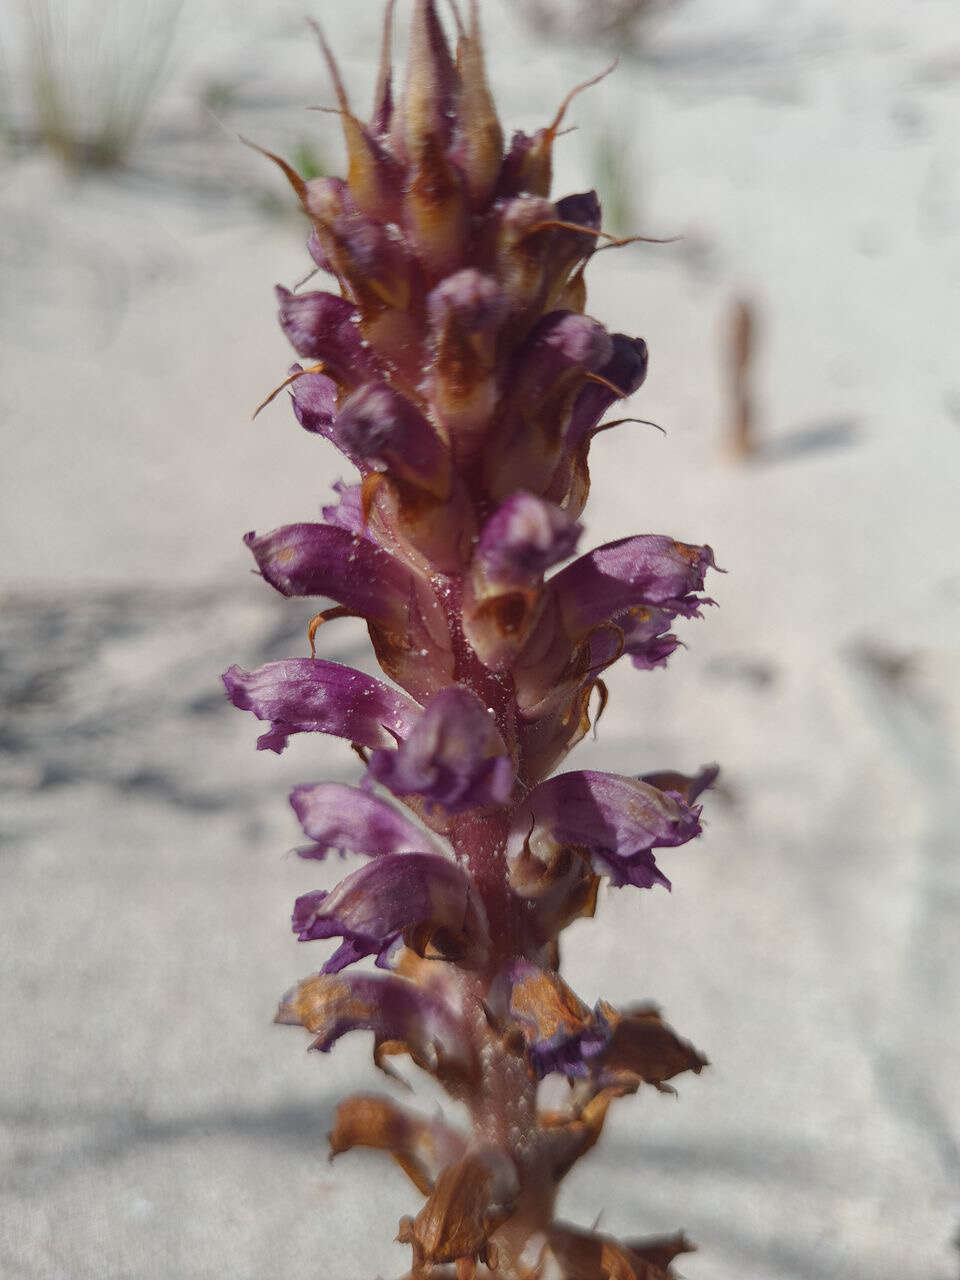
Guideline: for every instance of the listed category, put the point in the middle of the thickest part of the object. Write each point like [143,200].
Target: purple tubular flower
[350,820]
[308,695]
[644,570]
[326,560]
[454,756]
[390,434]
[616,821]
[314,398]
[420,899]
[323,327]
[524,538]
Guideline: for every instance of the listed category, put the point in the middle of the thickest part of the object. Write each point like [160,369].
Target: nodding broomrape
[457,373]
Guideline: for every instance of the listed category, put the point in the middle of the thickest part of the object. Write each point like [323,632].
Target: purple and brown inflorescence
[458,373]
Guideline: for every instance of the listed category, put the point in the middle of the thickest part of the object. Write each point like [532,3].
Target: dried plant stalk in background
[458,373]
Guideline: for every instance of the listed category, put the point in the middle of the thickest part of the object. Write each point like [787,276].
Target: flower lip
[616,821]
[644,570]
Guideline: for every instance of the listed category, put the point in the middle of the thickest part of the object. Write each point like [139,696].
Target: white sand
[154,1123]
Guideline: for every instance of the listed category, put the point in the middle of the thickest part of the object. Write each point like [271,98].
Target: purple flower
[616,821]
[644,570]
[314,397]
[453,756]
[323,327]
[390,434]
[523,539]
[308,695]
[422,900]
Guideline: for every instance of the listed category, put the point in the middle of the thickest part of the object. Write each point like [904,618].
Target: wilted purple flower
[457,372]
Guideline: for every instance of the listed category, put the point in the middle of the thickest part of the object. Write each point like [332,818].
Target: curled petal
[454,756]
[647,569]
[402,1016]
[423,899]
[616,821]
[643,1046]
[647,638]
[387,432]
[420,1146]
[471,1199]
[327,560]
[561,1033]
[323,327]
[349,820]
[308,695]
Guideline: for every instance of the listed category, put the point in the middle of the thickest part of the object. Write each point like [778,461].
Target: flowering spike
[460,375]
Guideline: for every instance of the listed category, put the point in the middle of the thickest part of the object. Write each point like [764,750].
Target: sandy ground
[154,1124]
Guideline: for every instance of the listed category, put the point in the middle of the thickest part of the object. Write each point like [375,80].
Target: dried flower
[457,372]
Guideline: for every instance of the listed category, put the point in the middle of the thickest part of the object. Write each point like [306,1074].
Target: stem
[481,839]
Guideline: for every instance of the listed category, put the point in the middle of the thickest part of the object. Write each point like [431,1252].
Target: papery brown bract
[459,373]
